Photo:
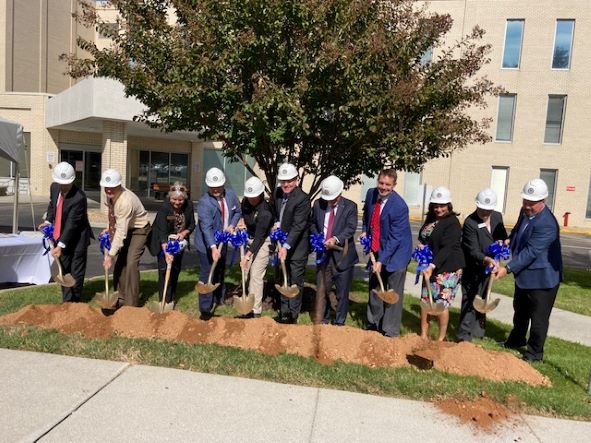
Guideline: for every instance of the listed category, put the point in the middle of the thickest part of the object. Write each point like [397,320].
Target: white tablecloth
[22,259]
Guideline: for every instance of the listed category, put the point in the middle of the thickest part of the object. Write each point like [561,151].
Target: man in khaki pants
[258,219]
[128,229]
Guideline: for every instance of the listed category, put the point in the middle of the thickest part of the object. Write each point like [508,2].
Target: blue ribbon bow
[222,237]
[104,242]
[366,243]
[423,256]
[498,252]
[277,235]
[238,238]
[318,246]
[47,235]
[173,247]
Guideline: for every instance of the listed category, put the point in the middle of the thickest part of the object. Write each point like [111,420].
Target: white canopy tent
[11,143]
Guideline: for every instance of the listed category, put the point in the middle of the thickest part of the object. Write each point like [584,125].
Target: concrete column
[114,154]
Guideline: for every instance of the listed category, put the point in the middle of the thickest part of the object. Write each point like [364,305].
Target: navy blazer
[536,257]
[395,236]
[476,239]
[209,215]
[295,222]
[75,230]
[344,227]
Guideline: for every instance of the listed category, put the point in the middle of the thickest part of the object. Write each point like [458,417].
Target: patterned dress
[444,286]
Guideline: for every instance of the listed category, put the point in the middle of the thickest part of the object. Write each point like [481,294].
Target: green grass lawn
[574,293]
[566,364]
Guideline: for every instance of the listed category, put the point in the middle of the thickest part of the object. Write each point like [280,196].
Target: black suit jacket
[295,221]
[345,225]
[476,240]
[446,244]
[164,225]
[75,231]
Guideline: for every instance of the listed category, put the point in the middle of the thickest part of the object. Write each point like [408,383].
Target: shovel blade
[204,288]
[106,302]
[157,308]
[66,281]
[243,304]
[388,296]
[288,291]
[435,309]
[481,306]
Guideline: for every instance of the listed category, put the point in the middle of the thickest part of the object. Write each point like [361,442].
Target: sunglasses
[178,189]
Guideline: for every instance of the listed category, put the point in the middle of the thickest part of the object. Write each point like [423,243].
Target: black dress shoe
[530,359]
[205,316]
[370,327]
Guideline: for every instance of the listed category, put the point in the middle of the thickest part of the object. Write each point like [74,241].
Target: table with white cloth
[22,259]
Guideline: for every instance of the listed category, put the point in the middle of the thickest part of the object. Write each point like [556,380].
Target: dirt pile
[323,342]
[483,413]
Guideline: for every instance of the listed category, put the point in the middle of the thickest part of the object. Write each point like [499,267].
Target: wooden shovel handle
[211,271]
[166,279]
[428,285]
[372,257]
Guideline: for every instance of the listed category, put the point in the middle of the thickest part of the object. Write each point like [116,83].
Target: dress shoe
[205,316]
[370,327]
[530,359]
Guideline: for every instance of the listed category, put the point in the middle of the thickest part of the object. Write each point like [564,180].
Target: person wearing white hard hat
[257,218]
[128,230]
[68,212]
[536,262]
[442,232]
[481,228]
[386,220]
[292,206]
[175,220]
[217,210]
[336,217]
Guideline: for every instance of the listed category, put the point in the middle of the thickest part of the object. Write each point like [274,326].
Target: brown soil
[323,342]
[482,413]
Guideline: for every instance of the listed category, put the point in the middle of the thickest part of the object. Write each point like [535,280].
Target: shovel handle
[242,270]
[60,272]
[106,277]
[488,288]
[214,264]
[166,279]
[372,257]
[428,285]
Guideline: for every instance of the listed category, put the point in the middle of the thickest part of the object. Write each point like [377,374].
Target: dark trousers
[291,307]
[126,273]
[327,274]
[386,317]
[205,263]
[472,323]
[75,264]
[175,270]
[531,306]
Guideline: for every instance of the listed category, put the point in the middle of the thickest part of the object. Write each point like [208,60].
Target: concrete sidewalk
[62,399]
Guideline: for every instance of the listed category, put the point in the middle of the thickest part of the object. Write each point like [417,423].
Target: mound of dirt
[482,413]
[323,342]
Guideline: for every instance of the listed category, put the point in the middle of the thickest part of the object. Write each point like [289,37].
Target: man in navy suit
[335,217]
[385,218]
[67,211]
[536,261]
[217,210]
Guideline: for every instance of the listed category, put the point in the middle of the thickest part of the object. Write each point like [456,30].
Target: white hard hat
[214,178]
[287,171]
[63,173]
[331,187]
[486,199]
[253,187]
[535,190]
[110,178]
[440,195]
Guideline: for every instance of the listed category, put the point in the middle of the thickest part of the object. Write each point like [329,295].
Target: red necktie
[57,226]
[223,212]
[375,226]
[330,223]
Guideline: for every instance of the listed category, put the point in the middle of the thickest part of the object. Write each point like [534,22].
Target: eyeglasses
[178,189]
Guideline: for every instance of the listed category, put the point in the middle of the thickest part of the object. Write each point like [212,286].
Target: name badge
[481,225]
[170,218]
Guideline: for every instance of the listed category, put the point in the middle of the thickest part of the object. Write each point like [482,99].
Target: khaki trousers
[126,273]
[256,275]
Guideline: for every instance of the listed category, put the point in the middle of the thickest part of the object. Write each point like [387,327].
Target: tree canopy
[333,86]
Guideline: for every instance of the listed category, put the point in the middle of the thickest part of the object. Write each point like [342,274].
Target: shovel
[162,307]
[431,308]
[107,299]
[206,288]
[481,304]
[243,304]
[288,291]
[389,296]
[57,272]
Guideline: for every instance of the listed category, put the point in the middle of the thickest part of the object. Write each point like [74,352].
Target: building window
[505,117]
[513,39]
[499,179]
[235,172]
[549,176]
[108,30]
[159,168]
[588,214]
[413,191]
[555,118]
[563,41]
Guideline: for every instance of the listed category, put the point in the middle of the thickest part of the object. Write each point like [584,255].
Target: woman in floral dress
[443,234]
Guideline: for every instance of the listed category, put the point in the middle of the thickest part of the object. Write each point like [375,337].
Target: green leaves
[336,86]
